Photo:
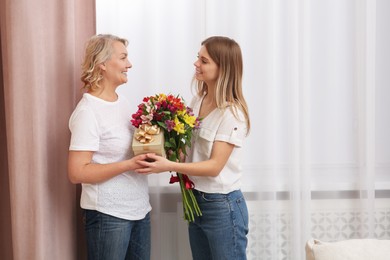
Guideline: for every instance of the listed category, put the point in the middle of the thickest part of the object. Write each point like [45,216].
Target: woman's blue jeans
[111,238]
[221,232]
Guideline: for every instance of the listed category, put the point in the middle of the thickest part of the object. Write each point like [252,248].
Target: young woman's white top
[105,128]
[219,125]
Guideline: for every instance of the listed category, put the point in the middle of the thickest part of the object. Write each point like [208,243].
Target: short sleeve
[84,131]
[232,130]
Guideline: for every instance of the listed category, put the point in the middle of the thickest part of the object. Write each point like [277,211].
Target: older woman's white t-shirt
[219,125]
[105,128]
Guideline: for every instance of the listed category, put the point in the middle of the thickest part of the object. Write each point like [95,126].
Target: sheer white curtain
[316,77]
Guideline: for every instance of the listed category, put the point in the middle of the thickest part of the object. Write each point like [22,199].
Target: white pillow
[354,249]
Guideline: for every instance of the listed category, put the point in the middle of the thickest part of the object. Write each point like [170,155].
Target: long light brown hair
[98,50]
[226,53]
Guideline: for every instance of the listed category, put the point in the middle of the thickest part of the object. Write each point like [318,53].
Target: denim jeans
[220,233]
[111,238]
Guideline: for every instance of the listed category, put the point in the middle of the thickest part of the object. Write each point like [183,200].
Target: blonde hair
[98,50]
[226,53]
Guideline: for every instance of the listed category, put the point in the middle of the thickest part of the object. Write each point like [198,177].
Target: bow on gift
[188,183]
[145,133]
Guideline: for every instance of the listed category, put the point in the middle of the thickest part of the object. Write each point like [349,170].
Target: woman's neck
[106,94]
[208,105]
[209,100]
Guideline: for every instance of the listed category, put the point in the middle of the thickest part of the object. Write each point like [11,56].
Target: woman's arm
[82,170]
[212,167]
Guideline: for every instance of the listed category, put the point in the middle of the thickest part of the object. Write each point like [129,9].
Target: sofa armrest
[353,249]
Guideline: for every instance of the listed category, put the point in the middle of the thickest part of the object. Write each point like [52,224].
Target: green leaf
[161,124]
[173,157]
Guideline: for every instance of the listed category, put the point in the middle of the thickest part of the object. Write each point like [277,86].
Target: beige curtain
[41,50]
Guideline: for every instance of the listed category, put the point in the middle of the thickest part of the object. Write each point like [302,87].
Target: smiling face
[114,70]
[205,68]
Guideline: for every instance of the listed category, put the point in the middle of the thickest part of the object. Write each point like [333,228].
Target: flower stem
[188,212]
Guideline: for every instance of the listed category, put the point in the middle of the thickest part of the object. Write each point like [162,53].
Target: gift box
[148,140]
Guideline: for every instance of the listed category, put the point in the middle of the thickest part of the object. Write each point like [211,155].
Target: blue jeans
[111,238]
[220,233]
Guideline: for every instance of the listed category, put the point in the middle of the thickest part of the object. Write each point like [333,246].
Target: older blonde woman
[114,198]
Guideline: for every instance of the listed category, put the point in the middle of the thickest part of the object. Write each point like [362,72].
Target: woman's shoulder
[84,107]
[83,102]
[232,111]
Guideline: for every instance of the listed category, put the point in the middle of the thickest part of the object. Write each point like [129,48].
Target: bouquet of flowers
[170,113]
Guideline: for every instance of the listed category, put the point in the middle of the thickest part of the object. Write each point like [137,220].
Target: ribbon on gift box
[145,133]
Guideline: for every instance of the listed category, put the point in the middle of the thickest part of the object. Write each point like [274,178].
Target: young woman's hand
[153,163]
